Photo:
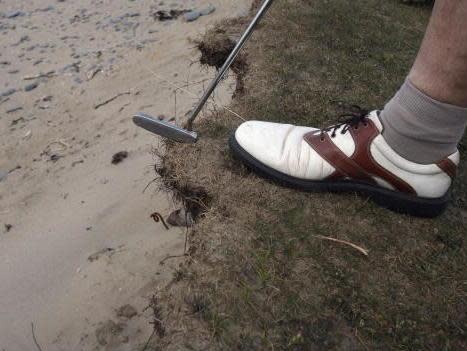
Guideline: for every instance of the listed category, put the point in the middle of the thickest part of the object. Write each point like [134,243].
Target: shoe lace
[351,119]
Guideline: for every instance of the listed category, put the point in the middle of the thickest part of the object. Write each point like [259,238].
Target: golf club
[173,132]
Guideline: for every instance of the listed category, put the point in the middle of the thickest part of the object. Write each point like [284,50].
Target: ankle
[420,128]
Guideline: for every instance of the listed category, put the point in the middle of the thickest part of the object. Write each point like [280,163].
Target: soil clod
[119,157]
[127,311]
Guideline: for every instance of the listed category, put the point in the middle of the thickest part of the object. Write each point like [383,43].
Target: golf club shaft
[264,7]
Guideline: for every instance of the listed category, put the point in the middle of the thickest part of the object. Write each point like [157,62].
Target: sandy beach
[76,239]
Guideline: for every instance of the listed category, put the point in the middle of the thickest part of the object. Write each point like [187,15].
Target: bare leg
[426,119]
[440,70]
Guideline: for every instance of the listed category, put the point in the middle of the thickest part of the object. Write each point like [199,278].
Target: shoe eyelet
[356,127]
[322,139]
[365,124]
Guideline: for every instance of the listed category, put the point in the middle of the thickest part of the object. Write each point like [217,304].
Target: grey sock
[420,128]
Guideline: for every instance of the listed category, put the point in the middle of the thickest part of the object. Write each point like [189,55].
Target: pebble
[31,86]
[192,16]
[13,110]
[3,175]
[208,10]
[8,92]
[14,14]
[46,9]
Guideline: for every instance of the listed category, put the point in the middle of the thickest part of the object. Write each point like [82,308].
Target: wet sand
[76,238]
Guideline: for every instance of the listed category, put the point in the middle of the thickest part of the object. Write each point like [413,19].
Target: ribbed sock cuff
[420,128]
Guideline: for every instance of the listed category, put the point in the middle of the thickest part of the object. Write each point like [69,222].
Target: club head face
[164,129]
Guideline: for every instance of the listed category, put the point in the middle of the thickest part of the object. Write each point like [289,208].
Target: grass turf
[259,276]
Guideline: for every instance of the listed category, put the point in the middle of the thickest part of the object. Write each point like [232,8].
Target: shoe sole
[392,200]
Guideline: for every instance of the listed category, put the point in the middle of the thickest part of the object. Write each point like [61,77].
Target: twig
[92,73]
[40,75]
[149,340]
[150,183]
[157,217]
[186,237]
[362,250]
[110,100]
[170,257]
[34,337]
[60,142]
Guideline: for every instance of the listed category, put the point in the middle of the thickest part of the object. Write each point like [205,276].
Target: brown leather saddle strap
[448,167]
[361,165]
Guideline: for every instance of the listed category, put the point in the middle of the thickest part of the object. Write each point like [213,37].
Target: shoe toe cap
[263,140]
[279,146]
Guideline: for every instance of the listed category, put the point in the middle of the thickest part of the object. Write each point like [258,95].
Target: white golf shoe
[348,157]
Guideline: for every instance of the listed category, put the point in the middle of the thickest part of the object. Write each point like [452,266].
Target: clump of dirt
[110,332]
[119,157]
[127,311]
[194,199]
[170,15]
[215,48]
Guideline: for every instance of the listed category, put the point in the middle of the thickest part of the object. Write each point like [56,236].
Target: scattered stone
[3,175]
[46,9]
[8,92]
[13,14]
[8,227]
[107,251]
[31,86]
[13,110]
[127,312]
[74,163]
[55,157]
[21,40]
[119,157]
[168,15]
[180,218]
[192,16]
[207,10]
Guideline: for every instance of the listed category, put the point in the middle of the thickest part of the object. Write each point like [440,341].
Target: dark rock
[31,86]
[119,157]
[168,15]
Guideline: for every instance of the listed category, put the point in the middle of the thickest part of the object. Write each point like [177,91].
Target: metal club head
[164,129]
[181,135]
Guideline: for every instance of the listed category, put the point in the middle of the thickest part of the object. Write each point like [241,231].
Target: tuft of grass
[258,276]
